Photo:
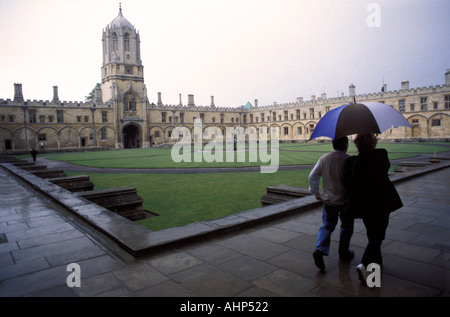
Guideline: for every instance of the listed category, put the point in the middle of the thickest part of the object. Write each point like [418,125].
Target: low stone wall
[124,201]
[138,240]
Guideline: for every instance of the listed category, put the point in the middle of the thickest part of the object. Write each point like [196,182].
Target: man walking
[33,154]
[331,169]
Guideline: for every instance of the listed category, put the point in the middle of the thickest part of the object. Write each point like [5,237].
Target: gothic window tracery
[126,42]
[115,46]
[129,103]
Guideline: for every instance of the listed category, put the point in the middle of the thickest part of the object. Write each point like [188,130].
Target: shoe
[348,257]
[318,259]
[362,273]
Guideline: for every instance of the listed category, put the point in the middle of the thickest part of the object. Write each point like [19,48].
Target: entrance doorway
[131,137]
[8,144]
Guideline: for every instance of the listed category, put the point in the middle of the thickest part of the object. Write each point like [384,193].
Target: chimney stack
[212,101]
[191,101]
[55,93]
[98,95]
[447,77]
[405,85]
[159,99]
[351,90]
[18,96]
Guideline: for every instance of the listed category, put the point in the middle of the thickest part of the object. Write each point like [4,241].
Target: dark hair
[340,144]
[366,142]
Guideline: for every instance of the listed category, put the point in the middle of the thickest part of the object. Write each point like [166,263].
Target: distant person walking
[372,196]
[34,154]
[331,169]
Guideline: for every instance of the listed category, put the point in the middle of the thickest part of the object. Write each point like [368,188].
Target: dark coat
[370,189]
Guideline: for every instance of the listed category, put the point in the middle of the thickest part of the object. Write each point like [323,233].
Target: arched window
[115,46]
[126,42]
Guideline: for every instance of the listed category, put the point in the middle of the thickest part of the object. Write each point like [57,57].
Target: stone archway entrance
[131,137]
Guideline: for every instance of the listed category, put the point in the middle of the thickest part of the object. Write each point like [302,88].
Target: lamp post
[270,127]
[93,125]
[173,119]
[24,108]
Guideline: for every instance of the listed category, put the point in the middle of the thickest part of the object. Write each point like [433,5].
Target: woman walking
[372,196]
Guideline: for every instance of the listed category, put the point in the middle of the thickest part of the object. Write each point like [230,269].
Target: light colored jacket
[331,169]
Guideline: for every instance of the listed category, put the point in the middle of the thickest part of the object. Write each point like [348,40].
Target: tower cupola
[120,22]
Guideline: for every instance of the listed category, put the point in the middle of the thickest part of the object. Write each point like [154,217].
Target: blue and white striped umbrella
[359,118]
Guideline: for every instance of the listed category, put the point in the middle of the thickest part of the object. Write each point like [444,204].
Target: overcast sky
[234,50]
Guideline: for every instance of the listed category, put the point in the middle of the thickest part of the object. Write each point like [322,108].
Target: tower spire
[120,7]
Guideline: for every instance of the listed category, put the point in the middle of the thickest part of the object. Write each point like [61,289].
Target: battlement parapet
[195,108]
[322,100]
[403,92]
[52,103]
[341,100]
[308,103]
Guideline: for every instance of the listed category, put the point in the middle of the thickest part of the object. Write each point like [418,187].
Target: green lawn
[180,199]
[289,154]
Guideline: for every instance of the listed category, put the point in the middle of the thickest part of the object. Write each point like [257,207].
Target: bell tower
[123,84]
[121,57]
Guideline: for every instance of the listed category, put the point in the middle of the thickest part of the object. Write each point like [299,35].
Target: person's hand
[317,196]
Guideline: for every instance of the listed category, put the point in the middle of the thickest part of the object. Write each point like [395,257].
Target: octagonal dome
[120,22]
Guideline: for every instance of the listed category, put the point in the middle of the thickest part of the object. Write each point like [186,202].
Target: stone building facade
[120,114]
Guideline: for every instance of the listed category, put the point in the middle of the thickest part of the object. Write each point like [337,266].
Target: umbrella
[359,118]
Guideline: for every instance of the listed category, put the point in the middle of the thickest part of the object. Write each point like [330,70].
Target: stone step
[23,163]
[440,157]
[124,201]
[73,183]
[414,164]
[408,166]
[33,167]
[10,159]
[49,173]
[281,193]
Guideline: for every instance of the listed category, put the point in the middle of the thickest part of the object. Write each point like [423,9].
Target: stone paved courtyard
[39,238]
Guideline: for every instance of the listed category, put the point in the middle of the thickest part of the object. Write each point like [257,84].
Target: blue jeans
[330,219]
